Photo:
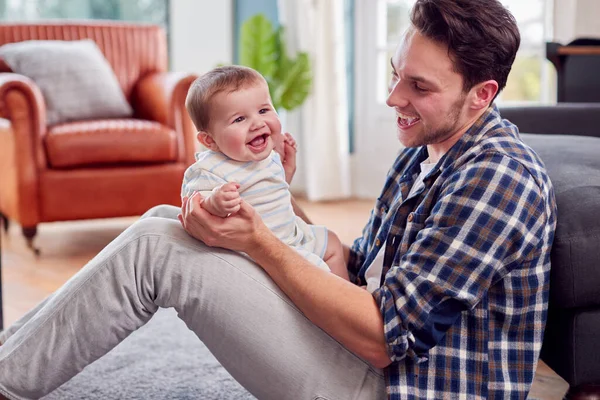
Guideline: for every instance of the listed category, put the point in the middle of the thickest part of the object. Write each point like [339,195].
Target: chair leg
[29,233]
[5,222]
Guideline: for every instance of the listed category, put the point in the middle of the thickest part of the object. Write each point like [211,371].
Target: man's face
[244,123]
[426,92]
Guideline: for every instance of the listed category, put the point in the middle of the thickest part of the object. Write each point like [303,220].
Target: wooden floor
[67,246]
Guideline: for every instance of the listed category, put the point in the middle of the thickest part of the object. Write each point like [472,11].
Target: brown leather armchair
[94,168]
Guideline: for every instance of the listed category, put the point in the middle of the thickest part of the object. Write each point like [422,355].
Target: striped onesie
[263,186]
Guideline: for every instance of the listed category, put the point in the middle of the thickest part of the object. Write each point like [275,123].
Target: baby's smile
[259,143]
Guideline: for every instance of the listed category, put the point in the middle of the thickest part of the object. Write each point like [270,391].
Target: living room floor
[67,246]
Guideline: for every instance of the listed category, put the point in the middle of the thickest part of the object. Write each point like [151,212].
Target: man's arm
[346,312]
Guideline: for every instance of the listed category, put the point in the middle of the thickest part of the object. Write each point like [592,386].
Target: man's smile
[406,121]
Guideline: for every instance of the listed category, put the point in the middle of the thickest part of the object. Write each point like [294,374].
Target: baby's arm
[334,256]
[223,200]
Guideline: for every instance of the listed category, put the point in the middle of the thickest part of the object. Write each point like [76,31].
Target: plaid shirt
[464,290]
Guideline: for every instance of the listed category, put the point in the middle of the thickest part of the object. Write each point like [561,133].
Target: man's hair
[228,78]
[481,35]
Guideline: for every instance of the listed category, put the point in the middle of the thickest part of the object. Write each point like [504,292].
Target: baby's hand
[279,144]
[225,200]
[289,139]
[288,158]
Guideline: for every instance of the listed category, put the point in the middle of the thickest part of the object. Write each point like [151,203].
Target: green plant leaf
[283,61]
[296,85]
[263,48]
[258,45]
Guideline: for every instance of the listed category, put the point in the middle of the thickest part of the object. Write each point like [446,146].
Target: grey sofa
[567,138]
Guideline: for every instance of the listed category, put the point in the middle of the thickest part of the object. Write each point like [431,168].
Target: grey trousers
[230,303]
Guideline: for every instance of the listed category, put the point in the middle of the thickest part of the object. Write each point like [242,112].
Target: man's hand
[348,313]
[288,158]
[240,231]
[224,200]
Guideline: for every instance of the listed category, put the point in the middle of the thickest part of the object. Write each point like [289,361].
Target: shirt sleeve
[199,179]
[489,217]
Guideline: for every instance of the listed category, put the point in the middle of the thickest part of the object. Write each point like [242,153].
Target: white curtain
[321,126]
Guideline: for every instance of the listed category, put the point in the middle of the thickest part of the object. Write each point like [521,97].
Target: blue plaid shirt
[464,289]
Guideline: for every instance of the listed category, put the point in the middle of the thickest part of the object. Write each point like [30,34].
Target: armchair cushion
[74,77]
[106,142]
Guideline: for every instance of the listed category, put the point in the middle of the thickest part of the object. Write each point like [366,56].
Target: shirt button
[410,217]
[377,242]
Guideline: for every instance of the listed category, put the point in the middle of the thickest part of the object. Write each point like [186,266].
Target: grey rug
[162,360]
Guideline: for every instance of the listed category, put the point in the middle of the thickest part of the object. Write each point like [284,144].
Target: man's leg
[162,211]
[230,303]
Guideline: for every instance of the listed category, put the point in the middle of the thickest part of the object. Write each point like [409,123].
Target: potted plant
[263,48]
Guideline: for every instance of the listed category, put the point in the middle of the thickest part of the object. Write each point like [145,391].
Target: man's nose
[397,96]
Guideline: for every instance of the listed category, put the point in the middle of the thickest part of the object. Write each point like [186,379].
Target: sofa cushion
[74,77]
[102,142]
[573,164]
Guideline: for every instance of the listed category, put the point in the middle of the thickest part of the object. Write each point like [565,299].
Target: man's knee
[162,211]
[170,230]
[151,225]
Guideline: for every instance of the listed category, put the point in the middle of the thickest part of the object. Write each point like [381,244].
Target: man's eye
[238,119]
[419,88]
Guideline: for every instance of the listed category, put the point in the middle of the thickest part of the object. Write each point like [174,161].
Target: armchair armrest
[12,108]
[21,145]
[160,97]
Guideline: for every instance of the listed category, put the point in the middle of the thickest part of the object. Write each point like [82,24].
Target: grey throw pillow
[76,80]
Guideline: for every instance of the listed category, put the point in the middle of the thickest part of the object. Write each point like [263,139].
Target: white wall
[201,34]
[576,18]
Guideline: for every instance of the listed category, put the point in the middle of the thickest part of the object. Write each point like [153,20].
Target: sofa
[94,167]
[567,138]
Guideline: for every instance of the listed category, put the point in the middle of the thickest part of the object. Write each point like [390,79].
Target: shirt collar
[473,135]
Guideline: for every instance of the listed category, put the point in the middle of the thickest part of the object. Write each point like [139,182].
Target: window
[154,11]
[379,26]
[532,77]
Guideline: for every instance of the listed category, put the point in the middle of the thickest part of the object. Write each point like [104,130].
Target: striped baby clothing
[263,186]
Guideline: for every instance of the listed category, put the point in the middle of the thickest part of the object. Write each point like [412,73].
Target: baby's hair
[227,78]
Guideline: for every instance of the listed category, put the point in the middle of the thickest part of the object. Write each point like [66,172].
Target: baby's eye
[263,110]
[238,119]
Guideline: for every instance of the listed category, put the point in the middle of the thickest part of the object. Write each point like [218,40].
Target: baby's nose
[257,123]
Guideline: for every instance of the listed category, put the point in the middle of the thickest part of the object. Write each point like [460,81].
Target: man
[454,259]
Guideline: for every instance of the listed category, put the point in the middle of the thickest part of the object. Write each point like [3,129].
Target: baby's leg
[334,256]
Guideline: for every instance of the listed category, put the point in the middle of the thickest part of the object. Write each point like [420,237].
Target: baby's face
[244,123]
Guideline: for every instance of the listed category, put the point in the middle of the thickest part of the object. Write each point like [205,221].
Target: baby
[232,110]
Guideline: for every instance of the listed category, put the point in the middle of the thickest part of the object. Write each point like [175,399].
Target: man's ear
[207,141]
[483,93]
